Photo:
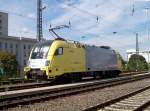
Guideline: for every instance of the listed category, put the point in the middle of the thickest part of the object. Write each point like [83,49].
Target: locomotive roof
[104,47]
[48,42]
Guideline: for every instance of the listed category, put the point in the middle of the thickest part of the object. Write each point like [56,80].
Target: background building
[3,24]
[18,46]
[145,54]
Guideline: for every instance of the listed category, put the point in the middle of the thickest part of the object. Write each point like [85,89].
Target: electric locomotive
[62,58]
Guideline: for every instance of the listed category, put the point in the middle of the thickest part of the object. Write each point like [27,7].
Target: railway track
[26,96]
[133,101]
[23,86]
[12,87]
[16,81]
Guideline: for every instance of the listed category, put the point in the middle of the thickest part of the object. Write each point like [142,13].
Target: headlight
[47,63]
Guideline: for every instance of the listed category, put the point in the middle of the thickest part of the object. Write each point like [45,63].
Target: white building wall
[20,47]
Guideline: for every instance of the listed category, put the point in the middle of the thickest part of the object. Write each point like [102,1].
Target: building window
[0,21]
[11,45]
[25,55]
[0,33]
[5,45]
[0,27]
[24,46]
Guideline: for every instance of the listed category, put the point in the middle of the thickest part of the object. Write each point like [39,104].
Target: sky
[96,22]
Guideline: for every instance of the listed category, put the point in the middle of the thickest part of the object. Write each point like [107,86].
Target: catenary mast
[39,20]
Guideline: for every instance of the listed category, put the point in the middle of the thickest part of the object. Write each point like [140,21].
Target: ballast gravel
[83,100]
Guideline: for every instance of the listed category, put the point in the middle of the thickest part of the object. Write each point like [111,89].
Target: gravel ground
[84,100]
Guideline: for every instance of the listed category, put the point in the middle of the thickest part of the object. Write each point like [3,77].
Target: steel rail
[13,98]
[23,86]
[11,81]
[20,86]
[123,100]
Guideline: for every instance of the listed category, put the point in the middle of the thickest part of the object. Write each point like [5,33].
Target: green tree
[137,63]
[8,64]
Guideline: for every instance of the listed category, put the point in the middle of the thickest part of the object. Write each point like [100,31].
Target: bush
[137,63]
[8,65]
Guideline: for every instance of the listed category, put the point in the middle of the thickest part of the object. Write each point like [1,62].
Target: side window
[59,51]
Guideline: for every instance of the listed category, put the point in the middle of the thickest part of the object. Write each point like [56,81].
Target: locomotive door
[58,61]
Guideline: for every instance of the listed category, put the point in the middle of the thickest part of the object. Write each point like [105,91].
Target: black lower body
[78,76]
[36,74]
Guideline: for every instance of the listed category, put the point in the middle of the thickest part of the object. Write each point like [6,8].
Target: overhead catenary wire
[96,17]
[85,12]
[82,11]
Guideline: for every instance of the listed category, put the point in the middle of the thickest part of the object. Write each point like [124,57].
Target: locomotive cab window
[59,51]
[40,51]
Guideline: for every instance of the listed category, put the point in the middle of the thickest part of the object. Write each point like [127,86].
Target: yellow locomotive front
[52,59]
[38,63]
